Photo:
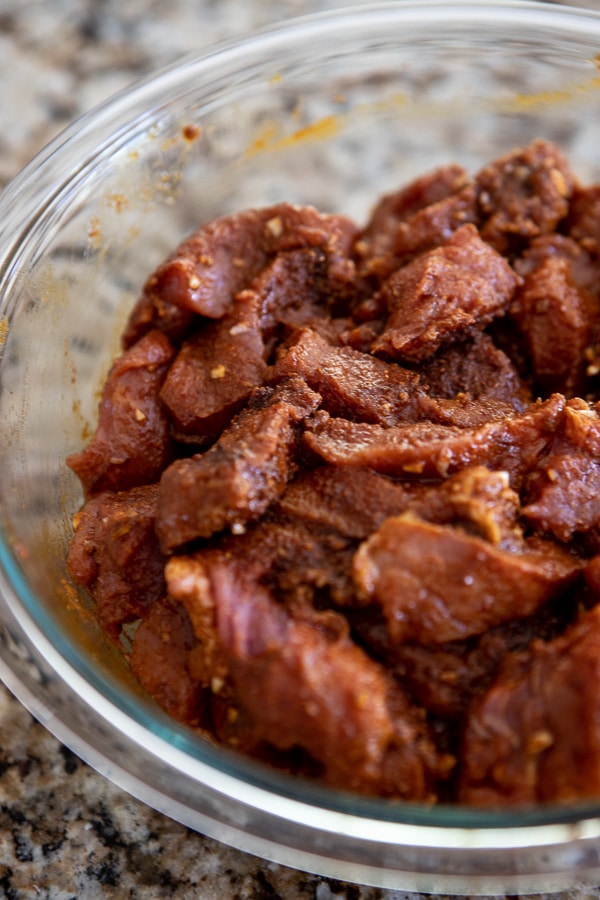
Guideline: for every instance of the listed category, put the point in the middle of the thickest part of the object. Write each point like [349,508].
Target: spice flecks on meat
[341,505]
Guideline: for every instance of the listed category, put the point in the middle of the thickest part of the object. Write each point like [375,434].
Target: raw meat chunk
[161,648]
[477,368]
[427,450]
[132,442]
[353,384]
[240,476]
[214,374]
[584,217]
[523,194]
[351,502]
[444,295]
[304,682]
[341,504]
[115,555]
[218,261]
[534,737]
[416,218]
[437,584]
[552,315]
[564,491]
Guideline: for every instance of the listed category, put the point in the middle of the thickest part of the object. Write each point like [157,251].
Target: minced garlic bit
[275,226]
[559,181]
[216,684]
[240,328]
[218,372]
[414,467]
[140,415]
[539,741]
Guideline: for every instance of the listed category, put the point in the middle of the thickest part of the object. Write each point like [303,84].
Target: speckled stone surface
[65,831]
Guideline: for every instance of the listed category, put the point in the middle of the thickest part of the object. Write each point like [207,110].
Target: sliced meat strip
[464,411]
[213,265]
[188,584]
[437,584]
[114,553]
[353,502]
[188,579]
[159,660]
[523,194]
[534,736]
[301,287]
[584,217]
[219,365]
[214,373]
[353,384]
[433,225]
[443,295]
[555,320]
[413,219]
[237,479]
[476,368]
[132,442]
[303,682]
[359,387]
[446,678]
[582,265]
[563,493]
[426,450]
[356,502]
[477,500]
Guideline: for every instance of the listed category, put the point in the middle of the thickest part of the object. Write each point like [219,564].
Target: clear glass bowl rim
[41,185]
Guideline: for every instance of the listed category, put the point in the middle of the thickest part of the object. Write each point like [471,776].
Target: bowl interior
[333,112]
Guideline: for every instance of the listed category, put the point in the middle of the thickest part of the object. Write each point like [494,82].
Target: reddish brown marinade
[344,490]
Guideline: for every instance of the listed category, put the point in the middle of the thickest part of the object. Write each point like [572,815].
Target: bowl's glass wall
[334,114]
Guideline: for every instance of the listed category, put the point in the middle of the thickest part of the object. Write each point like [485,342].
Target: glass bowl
[332,110]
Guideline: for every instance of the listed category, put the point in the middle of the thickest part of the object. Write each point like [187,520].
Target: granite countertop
[65,831]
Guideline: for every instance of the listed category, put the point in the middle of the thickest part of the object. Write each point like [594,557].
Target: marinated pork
[341,508]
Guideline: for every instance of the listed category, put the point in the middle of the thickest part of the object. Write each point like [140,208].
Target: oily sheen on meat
[341,505]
